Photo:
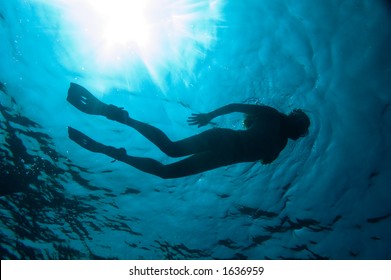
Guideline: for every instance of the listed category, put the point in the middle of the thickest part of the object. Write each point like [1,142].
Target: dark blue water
[327,196]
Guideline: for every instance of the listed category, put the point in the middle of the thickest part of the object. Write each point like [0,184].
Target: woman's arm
[204,119]
[236,107]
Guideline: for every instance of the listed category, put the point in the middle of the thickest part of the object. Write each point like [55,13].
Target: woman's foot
[116,113]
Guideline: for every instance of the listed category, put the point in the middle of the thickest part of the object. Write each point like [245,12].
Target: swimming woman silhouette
[266,136]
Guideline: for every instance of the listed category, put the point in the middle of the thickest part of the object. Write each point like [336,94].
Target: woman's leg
[205,141]
[209,140]
[158,137]
[194,164]
[85,101]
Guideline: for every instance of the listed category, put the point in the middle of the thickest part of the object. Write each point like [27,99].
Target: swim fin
[85,141]
[94,146]
[83,100]
[86,102]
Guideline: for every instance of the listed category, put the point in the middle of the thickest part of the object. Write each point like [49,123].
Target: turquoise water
[327,196]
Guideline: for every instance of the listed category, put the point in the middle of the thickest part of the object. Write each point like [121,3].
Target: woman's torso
[264,139]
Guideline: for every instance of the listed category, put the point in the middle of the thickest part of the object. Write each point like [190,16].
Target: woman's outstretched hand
[199,119]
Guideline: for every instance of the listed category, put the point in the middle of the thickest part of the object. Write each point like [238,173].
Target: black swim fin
[86,102]
[94,146]
[83,100]
[85,141]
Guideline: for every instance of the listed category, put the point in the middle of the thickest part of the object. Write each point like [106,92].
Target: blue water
[327,196]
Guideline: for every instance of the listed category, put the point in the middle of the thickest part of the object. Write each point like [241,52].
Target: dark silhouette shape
[266,136]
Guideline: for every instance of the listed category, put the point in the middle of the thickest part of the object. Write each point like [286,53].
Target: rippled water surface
[327,196]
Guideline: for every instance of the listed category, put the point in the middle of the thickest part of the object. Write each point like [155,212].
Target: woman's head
[297,124]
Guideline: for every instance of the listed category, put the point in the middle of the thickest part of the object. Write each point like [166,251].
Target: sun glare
[124,21]
[114,37]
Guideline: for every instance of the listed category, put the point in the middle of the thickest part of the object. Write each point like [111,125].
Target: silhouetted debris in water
[6,255]
[19,169]
[239,256]
[228,243]
[304,248]
[378,219]
[65,252]
[258,240]
[299,248]
[120,225]
[18,119]
[7,245]
[96,257]
[180,252]
[261,238]
[131,191]
[28,252]
[33,202]
[288,225]
[310,224]
[94,226]
[145,248]
[317,256]
[256,213]
[132,245]
[336,219]
[83,182]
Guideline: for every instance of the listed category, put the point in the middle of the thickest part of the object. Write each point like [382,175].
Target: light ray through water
[137,40]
